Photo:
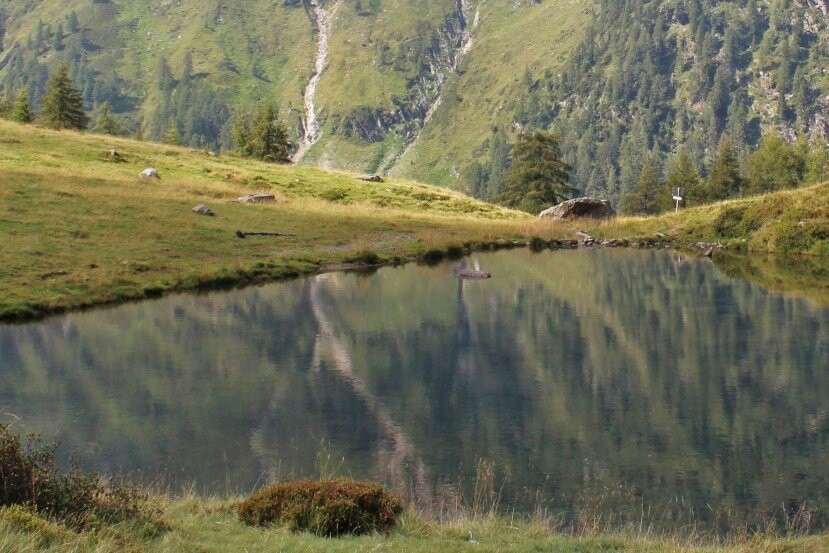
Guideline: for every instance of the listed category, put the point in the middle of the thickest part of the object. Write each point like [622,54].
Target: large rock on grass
[149,173]
[579,208]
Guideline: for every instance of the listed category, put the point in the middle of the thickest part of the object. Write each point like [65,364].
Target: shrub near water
[329,508]
[29,478]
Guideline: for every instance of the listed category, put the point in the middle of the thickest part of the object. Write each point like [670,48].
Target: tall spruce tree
[263,136]
[107,123]
[538,177]
[725,180]
[684,174]
[649,197]
[62,105]
[173,136]
[21,110]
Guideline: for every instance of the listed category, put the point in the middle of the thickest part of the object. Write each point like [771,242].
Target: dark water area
[587,382]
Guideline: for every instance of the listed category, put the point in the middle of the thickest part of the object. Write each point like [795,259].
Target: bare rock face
[579,208]
[256,199]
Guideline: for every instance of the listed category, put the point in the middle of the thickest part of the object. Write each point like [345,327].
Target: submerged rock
[578,208]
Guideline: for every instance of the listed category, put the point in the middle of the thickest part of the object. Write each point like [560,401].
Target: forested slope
[438,89]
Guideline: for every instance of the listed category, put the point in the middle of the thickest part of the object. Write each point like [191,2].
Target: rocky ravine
[452,41]
[322,20]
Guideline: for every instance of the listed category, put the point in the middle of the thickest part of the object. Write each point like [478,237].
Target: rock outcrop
[579,208]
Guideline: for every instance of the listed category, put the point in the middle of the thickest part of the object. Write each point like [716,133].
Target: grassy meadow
[79,228]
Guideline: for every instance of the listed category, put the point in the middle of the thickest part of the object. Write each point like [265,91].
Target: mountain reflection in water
[609,381]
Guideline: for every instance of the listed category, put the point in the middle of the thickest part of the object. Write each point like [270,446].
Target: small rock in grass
[371,178]
[256,198]
[149,173]
[202,209]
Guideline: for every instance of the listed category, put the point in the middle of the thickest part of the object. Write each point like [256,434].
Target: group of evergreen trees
[654,78]
[774,165]
[60,108]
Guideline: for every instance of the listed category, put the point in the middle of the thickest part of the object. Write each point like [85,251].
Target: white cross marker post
[678,197]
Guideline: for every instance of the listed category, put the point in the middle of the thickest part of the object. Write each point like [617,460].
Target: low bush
[22,520]
[29,478]
[326,508]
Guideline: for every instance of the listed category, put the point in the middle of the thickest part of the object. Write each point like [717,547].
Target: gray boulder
[202,209]
[371,178]
[579,208]
[256,198]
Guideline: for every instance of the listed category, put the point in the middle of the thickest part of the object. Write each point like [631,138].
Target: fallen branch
[244,234]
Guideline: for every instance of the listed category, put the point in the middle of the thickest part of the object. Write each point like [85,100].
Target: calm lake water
[585,381]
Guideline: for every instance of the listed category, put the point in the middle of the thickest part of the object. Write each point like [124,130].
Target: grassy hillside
[510,39]
[209,526]
[793,221]
[81,229]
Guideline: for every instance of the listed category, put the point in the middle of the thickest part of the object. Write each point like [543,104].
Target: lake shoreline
[213,525]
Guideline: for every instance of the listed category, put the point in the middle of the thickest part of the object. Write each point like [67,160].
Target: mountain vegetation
[435,90]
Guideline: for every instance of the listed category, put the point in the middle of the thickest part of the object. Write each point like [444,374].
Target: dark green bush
[327,508]
[29,478]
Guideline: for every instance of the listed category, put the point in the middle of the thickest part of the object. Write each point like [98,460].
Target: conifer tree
[107,122]
[538,177]
[173,137]
[775,165]
[57,42]
[684,174]
[817,165]
[74,24]
[263,137]
[62,105]
[725,180]
[21,110]
[648,196]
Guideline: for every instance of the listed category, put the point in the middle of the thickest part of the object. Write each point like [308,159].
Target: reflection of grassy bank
[802,276]
[212,526]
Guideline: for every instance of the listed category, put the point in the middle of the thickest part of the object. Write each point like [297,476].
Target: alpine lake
[622,384]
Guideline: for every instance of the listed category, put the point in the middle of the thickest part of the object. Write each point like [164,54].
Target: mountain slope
[437,89]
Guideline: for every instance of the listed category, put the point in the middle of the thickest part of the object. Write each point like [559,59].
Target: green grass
[79,229]
[211,525]
[788,222]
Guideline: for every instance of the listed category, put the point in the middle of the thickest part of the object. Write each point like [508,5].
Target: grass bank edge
[212,524]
